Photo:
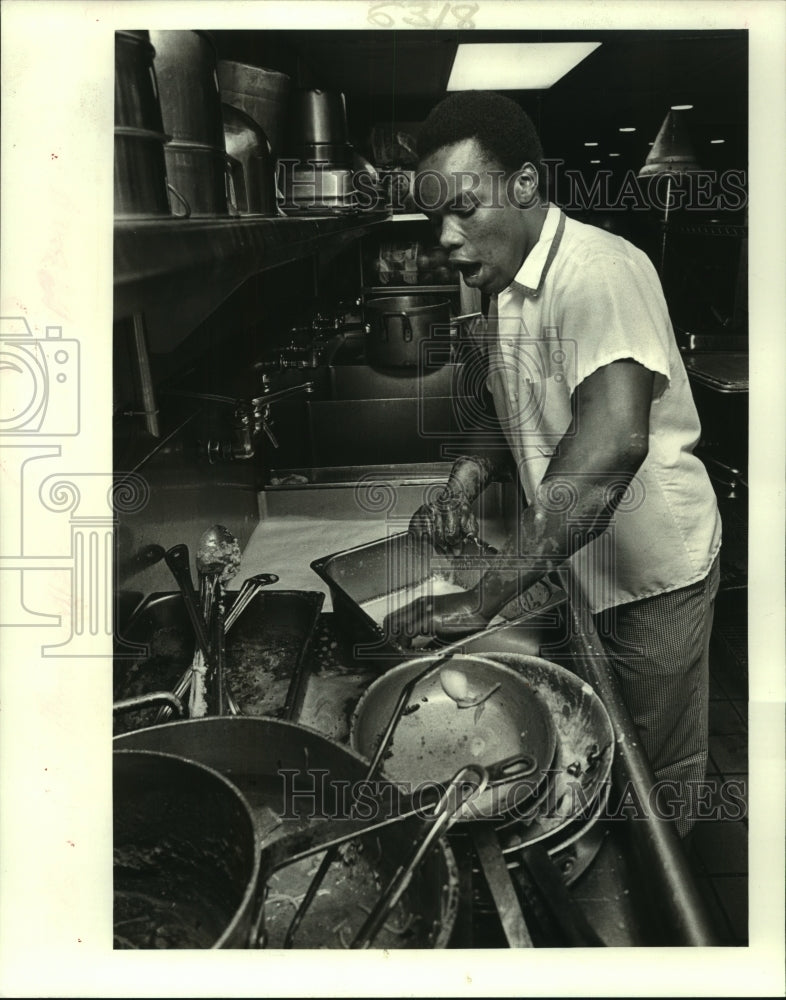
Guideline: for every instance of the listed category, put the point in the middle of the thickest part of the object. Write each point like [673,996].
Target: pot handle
[229,183]
[408,335]
[148,700]
[187,208]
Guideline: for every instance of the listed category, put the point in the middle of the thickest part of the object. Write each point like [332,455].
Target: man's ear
[525,185]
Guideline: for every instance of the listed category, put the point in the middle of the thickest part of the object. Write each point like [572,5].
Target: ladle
[457,687]
[217,559]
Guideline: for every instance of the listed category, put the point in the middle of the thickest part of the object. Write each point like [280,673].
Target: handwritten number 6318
[417,14]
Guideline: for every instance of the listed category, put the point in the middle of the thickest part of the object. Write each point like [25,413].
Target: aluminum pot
[290,773]
[186,861]
[316,116]
[260,93]
[137,103]
[398,324]
[141,185]
[202,175]
[252,167]
[186,68]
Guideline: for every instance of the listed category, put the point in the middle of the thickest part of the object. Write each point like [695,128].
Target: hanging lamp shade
[672,151]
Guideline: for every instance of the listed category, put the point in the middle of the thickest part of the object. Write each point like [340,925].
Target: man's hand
[446,616]
[446,522]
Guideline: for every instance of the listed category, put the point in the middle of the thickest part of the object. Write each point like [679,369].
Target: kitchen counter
[723,371]
[287,546]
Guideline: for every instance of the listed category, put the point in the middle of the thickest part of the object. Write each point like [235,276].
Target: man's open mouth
[468,268]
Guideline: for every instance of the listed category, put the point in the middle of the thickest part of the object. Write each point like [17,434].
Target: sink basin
[383,492]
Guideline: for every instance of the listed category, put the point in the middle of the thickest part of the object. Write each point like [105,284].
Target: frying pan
[578,769]
[435,736]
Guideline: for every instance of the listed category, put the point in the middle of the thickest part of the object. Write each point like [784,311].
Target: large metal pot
[137,103]
[186,68]
[252,167]
[290,775]
[185,855]
[397,326]
[316,116]
[141,186]
[260,93]
[202,174]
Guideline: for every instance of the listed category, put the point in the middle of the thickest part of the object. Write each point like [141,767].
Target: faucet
[250,418]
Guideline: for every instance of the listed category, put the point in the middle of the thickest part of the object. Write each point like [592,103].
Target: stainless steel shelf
[160,261]
[410,289]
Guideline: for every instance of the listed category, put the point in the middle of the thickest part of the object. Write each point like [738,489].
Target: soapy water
[378,608]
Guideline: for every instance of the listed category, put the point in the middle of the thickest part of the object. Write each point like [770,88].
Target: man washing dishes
[594,402]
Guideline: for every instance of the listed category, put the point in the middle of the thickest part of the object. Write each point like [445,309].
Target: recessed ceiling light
[590,144]
[594,161]
[614,154]
[681,107]
[716,142]
[515,65]
[628,128]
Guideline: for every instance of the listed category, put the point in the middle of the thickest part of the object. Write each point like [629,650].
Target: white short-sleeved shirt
[582,299]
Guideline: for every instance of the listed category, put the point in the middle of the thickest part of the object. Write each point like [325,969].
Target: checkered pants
[659,649]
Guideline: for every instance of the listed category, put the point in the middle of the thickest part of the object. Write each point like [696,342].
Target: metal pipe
[655,841]
[149,408]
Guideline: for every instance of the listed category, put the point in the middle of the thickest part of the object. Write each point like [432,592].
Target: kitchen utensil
[286,772]
[137,104]
[267,654]
[400,325]
[250,162]
[458,792]
[179,561]
[503,891]
[247,592]
[186,862]
[579,771]
[141,187]
[436,735]
[260,93]
[202,174]
[186,70]
[538,869]
[151,698]
[373,771]
[315,116]
[218,560]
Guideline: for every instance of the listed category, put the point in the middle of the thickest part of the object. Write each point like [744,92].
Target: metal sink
[382,492]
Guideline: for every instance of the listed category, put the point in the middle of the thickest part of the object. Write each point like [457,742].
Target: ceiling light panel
[515,65]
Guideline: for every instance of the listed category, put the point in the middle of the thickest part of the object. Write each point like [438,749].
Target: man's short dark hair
[502,128]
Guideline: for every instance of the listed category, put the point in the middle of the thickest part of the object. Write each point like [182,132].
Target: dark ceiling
[630,80]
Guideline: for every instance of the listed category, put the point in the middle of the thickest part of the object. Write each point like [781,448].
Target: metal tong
[371,774]
[468,782]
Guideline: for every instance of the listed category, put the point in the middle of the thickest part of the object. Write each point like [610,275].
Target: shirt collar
[533,271]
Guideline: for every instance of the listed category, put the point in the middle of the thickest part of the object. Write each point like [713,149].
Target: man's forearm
[567,514]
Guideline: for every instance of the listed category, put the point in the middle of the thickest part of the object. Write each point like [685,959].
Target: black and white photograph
[392,424]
